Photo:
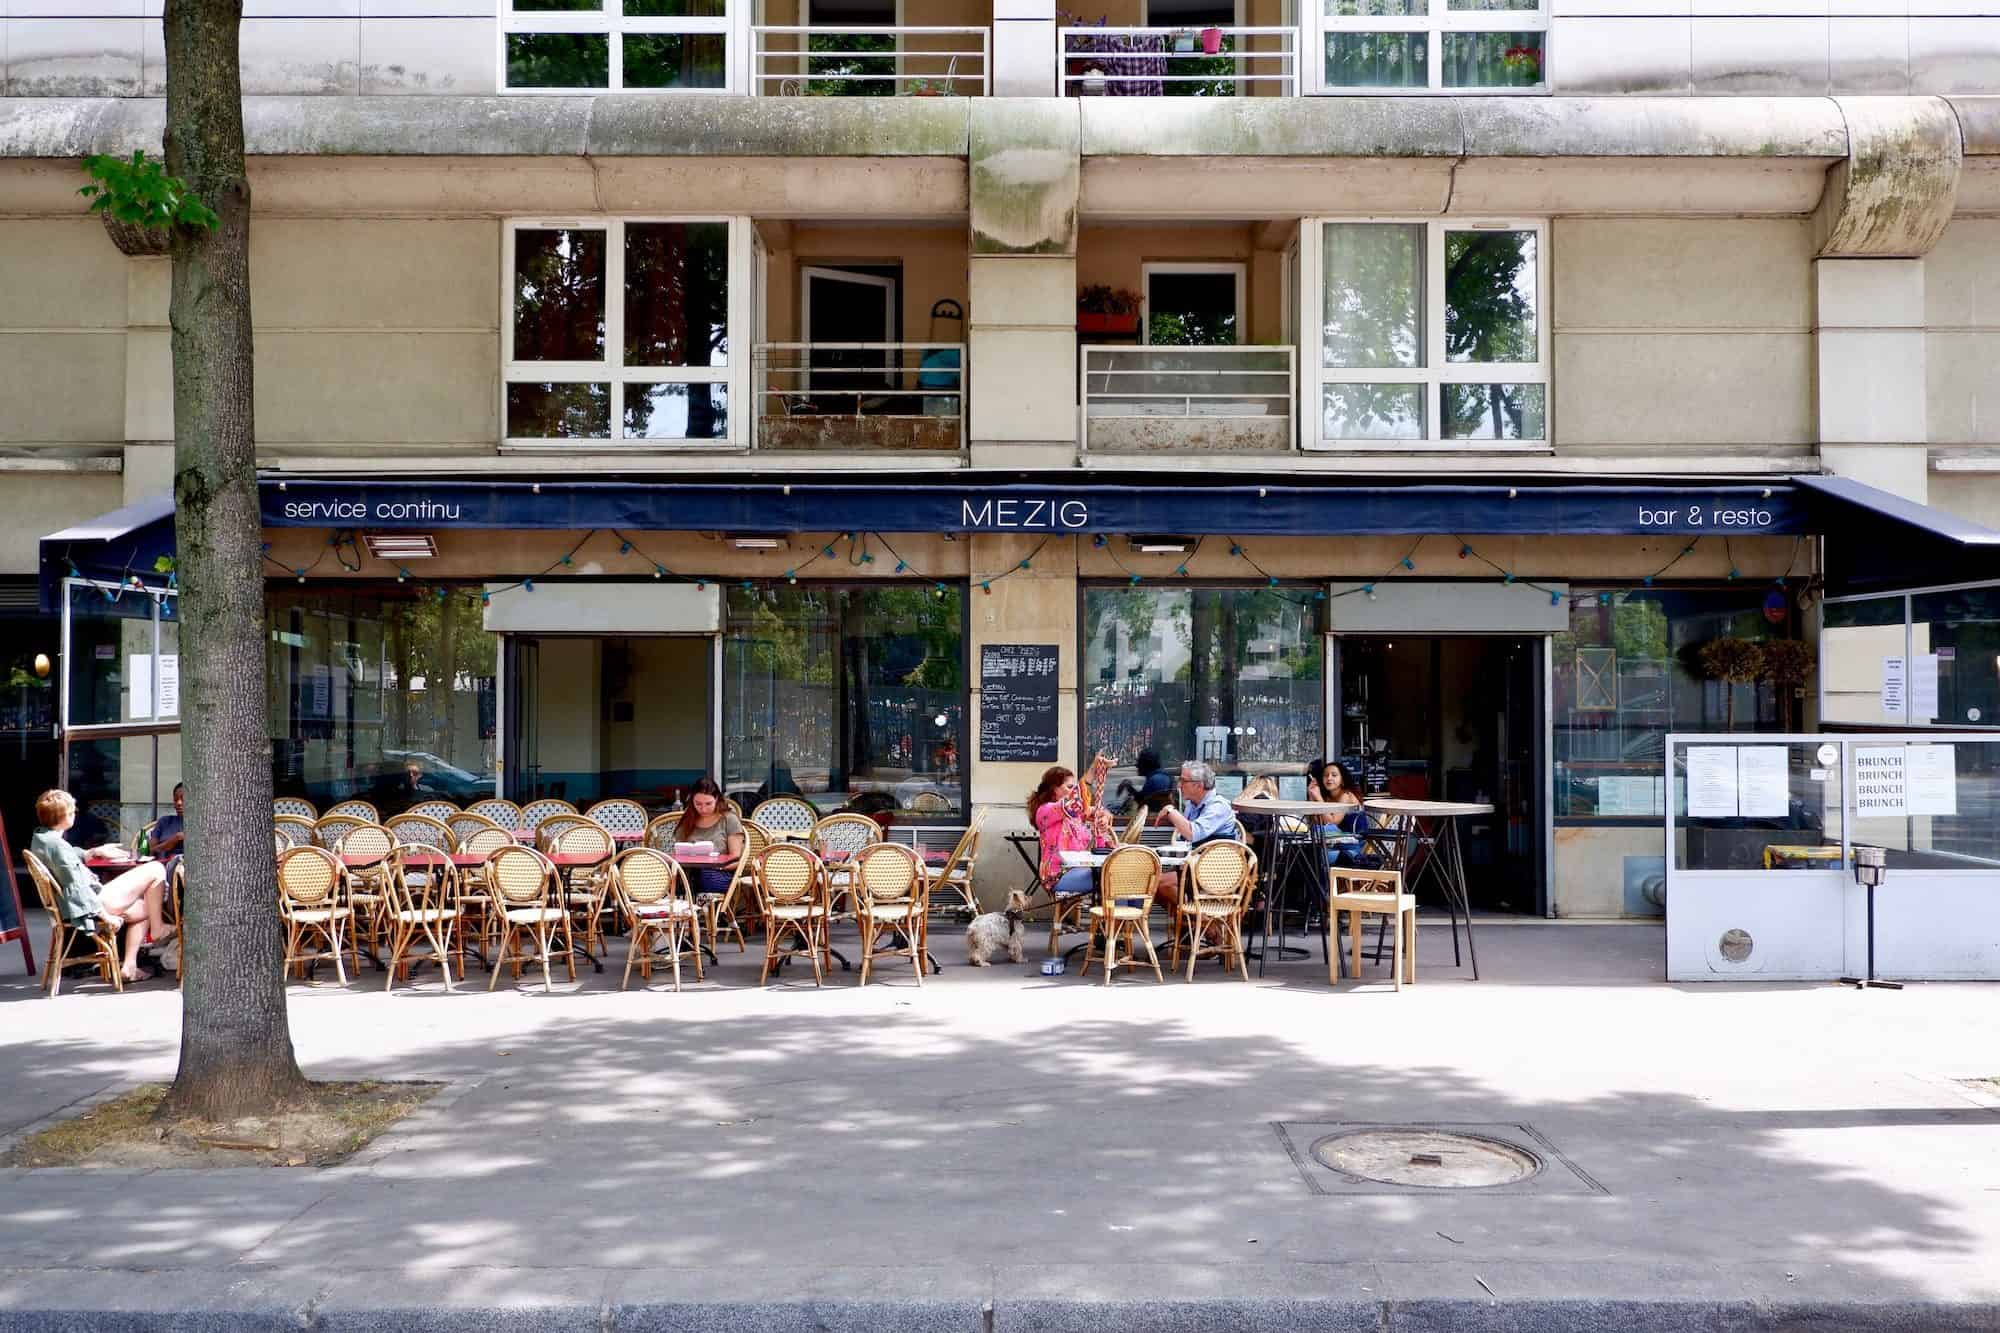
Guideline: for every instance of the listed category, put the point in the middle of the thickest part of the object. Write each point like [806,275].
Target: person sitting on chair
[167,839]
[132,900]
[1055,808]
[1205,815]
[707,819]
[1335,782]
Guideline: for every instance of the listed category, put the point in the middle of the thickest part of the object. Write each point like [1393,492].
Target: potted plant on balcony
[1104,309]
[1183,40]
[929,88]
[1211,41]
[1524,63]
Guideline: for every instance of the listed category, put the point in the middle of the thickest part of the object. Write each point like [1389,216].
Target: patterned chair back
[332,830]
[293,830]
[485,841]
[585,837]
[888,874]
[519,877]
[308,880]
[847,833]
[786,814]
[535,812]
[362,810]
[421,830]
[504,813]
[297,806]
[647,880]
[441,811]
[367,840]
[619,815]
[465,824]
[789,875]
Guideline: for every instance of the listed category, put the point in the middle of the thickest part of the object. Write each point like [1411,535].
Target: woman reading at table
[1056,809]
[707,819]
[131,900]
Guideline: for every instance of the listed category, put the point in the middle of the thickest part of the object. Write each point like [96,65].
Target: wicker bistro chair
[522,884]
[951,883]
[95,943]
[1125,905]
[422,908]
[464,824]
[724,912]
[1215,893]
[175,892]
[554,826]
[357,809]
[586,888]
[792,894]
[786,814]
[1067,915]
[310,880]
[1360,893]
[620,814]
[660,832]
[660,914]
[838,839]
[476,919]
[293,830]
[892,892]
[414,830]
[534,812]
[1134,826]
[368,845]
[441,811]
[297,806]
[329,831]
[504,813]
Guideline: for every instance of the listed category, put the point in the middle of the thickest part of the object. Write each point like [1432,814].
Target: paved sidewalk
[1000,1150]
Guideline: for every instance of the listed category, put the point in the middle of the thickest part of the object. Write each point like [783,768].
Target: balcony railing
[1172,399]
[871,397]
[1179,62]
[879,61]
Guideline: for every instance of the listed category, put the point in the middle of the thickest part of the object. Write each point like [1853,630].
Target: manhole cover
[1439,1159]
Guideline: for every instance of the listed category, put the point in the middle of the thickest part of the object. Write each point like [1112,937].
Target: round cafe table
[1280,854]
[1433,825]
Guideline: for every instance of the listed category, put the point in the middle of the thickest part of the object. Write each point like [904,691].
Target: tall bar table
[1280,854]
[1434,824]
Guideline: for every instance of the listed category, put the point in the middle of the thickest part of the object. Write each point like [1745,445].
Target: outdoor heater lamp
[757,543]
[1160,545]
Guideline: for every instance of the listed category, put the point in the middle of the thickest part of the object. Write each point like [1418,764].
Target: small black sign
[1018,706]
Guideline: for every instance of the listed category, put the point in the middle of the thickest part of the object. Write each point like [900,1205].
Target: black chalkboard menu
[1018,707]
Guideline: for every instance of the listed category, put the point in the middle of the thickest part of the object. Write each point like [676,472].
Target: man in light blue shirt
[1204,814]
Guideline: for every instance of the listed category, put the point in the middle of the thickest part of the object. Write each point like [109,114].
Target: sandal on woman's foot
[162,940]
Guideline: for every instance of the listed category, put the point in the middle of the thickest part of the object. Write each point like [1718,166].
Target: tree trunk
[236,1047]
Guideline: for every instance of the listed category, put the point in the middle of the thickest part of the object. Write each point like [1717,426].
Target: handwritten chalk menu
[1018,707]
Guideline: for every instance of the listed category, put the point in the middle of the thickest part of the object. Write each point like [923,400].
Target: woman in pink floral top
[1056,807]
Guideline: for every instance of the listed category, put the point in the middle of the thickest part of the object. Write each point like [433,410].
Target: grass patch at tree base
[330,1122]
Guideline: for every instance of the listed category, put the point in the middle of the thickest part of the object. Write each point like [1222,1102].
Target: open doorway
[1456,718]
[594,716]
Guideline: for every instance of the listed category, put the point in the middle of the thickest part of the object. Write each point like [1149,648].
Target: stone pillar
[1024,49]
[1869,333]
[1021,329]
[149,379]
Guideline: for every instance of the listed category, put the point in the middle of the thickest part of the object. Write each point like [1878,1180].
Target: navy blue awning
[1875,540]
[112,548]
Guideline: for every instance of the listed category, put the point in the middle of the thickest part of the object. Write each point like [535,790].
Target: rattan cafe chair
[1215,893]
[441,811]
[95,941]
[296,806]
[1361,893]
[502,812]
[1124,907]
[891,891]
[293,830]
[175,891]
[587,887]
[554,826]
[660,915]
[1067,915]
[415,830]
[725,912]
[464,824]
[364,850]
[786,814]
[421,909]
[619,814]
[838,839]
[312,907]
[476,919]
[951,889]
[329,831]
[356,809]
[534,812]
[523,886]
[792,893]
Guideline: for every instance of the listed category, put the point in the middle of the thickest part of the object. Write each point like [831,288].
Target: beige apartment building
[769,390]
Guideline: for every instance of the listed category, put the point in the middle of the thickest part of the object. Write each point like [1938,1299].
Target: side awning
[117,547]
[1877,541]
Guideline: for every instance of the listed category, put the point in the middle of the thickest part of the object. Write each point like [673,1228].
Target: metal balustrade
[1173,61]
[1167,399]
[895,397]
[871,61]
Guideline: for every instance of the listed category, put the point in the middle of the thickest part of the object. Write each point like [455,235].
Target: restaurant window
[619,332]
[1458,46]
[1231,676]
[369,687]
[852,696]
[1636,664]
[1432,335]
[585,46]
[120,706]
[1929,657]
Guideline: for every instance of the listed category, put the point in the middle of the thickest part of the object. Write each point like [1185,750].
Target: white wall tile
[1954,55]
[1869,55]
[73,57]
[446,55]
[1620,55]
[1773,56]
[301,56]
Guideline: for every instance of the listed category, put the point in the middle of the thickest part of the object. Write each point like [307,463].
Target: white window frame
[612,370]
[1440,20]
[610,19]
[1435,371]
[1146,271]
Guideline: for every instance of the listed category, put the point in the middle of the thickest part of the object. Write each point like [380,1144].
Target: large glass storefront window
[369,687]
[1232,676]
[851,696]
[1638,663]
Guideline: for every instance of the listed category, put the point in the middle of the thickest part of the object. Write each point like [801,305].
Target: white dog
[991,931]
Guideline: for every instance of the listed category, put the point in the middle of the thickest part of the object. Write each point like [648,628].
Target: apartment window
[1459,46]
[614,45]
[619,331]
[1432,335]
[1199,305]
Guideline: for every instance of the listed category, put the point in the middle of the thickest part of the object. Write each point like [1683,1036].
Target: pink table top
[578,858]
[933,856]
[106,863]
[617,835]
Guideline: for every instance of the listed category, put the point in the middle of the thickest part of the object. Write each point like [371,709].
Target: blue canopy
[112,548]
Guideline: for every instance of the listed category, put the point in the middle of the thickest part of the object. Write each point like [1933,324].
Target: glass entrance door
[524,718]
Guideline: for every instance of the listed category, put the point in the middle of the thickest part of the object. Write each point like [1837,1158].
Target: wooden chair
[725,911]
[174,889]
[464,824]
[504,813]
[1360,893]
[792,893]
[441,811]
[476,918]
[891,892]
[620,814]
[1124,908]
[951,883]
[786,814]
[1067,915]
[1215,893]
[357,809]
[523,887]
[297,806]
[659,911]
[310,880]
[729,804]
[421,909]
[534,812]
[293,830]
[586,888]
[1134,826]
[96,943]
[838,839]
[414,830]
[364,851]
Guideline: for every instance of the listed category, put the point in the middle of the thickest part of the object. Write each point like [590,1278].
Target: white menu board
[1711,781]
[1763,785]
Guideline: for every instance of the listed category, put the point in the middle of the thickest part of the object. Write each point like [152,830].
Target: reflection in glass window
[677,294]
[1489,296]
[676,411]
[558,294]
[1442,45]
[606,46]
[852,696]
[370,687]
[1630,668]
[1855,637]
[1962,629]
[1373,315]
[1231,675]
